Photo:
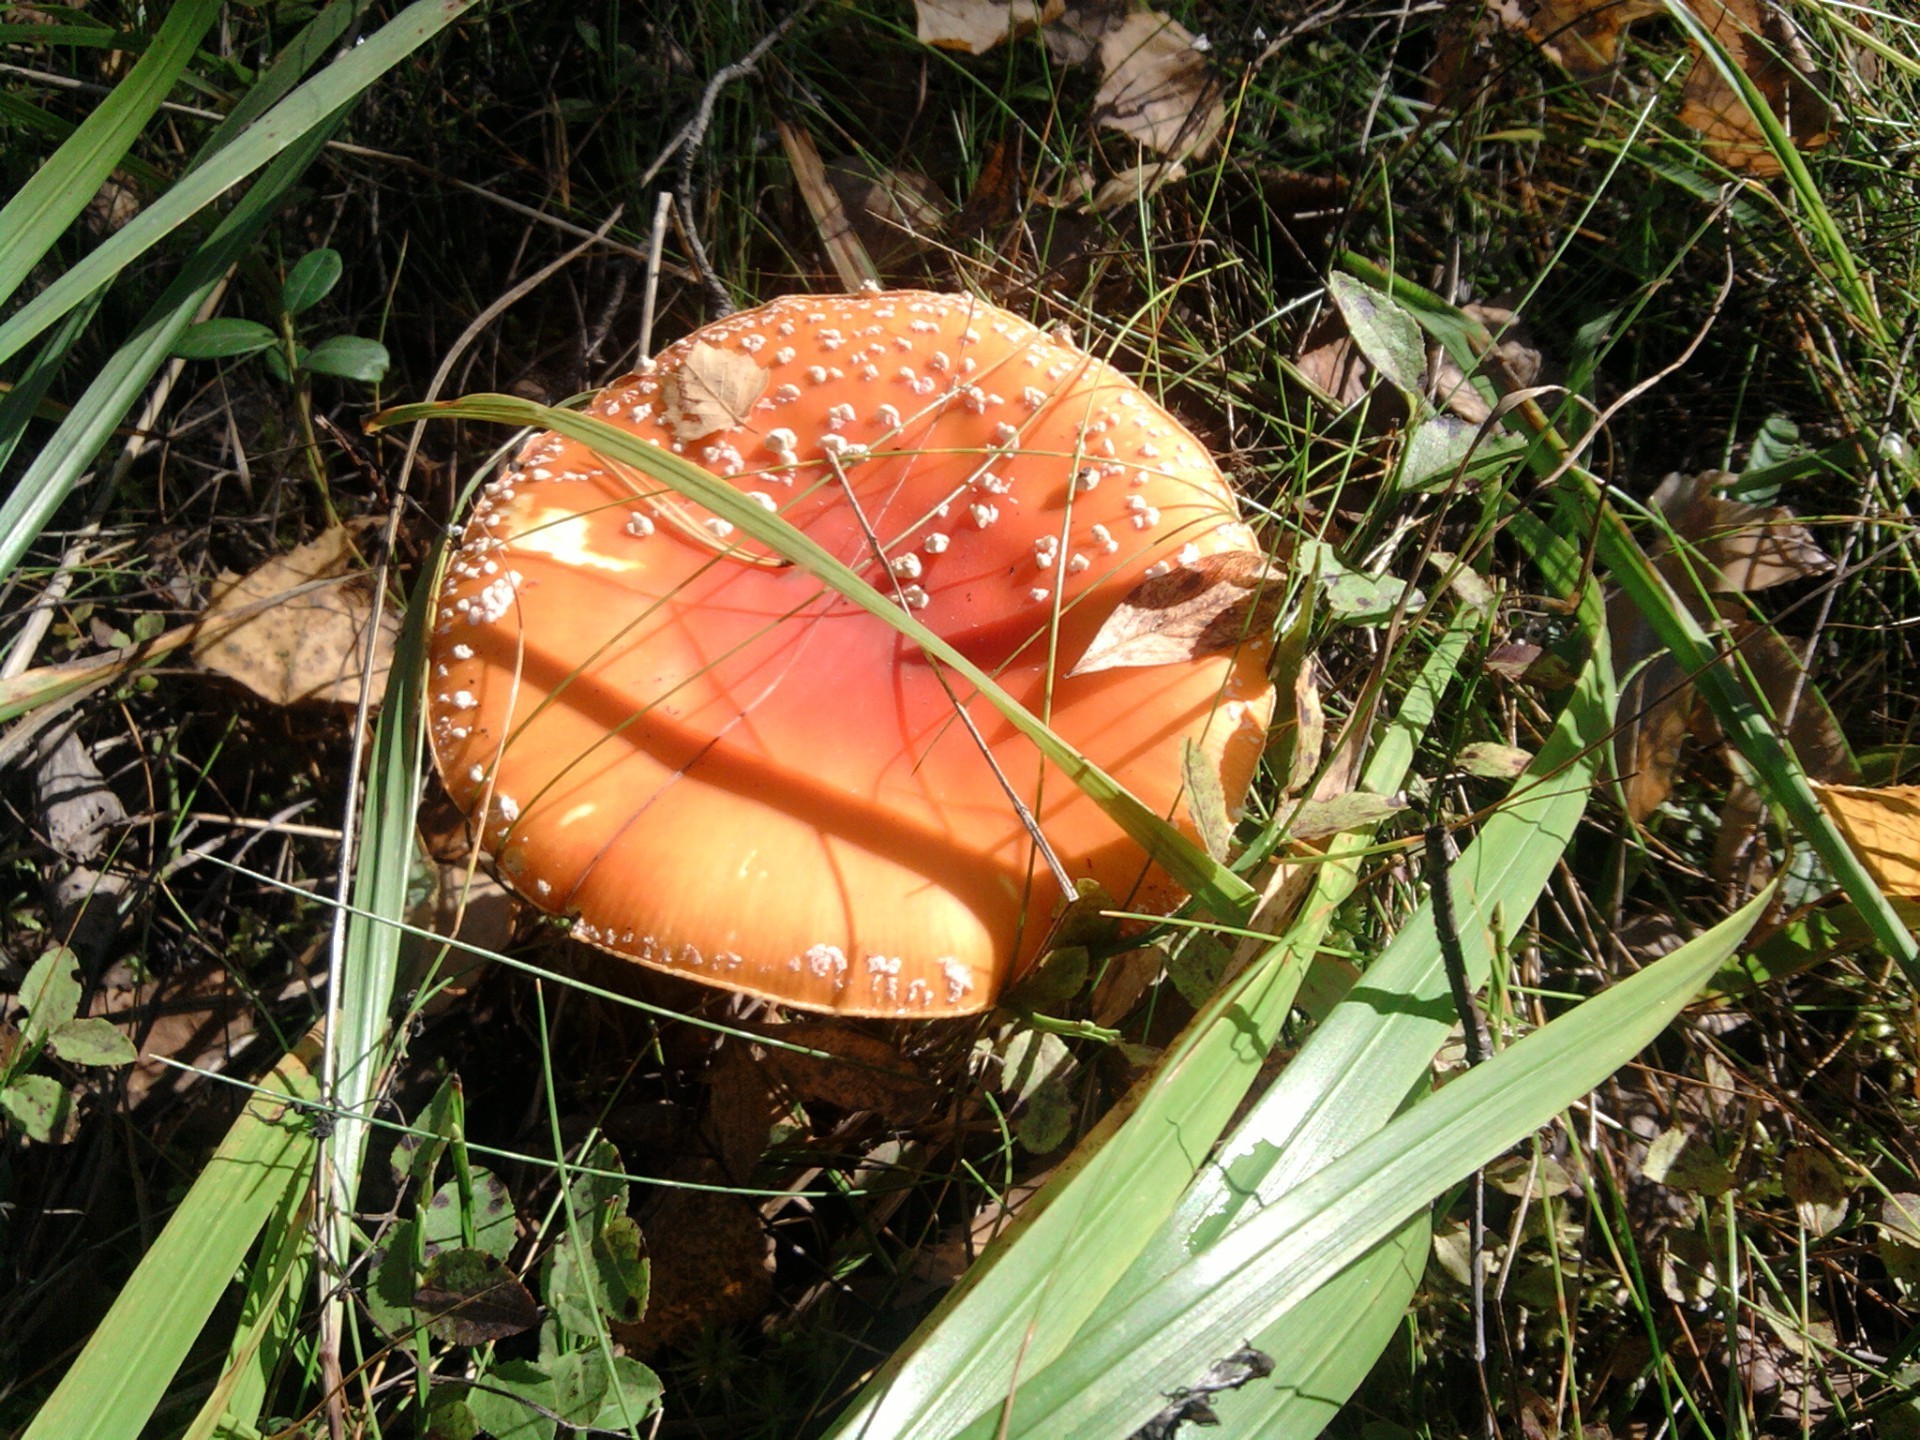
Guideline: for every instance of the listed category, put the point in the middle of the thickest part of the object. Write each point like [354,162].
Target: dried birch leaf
[309,641]
[713,389]
[1746,547]
[976,26]
[1155,87]
[1883,827]
[1206,608]
[1760,39]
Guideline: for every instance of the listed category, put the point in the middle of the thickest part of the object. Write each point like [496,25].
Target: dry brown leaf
[861,1071]
[712,389]
[1206,608]
[1156,88]
[310,640]
[1582,35]
[1883,827]
[1124,984]
[1746,547]
[976,26]
[1760,39]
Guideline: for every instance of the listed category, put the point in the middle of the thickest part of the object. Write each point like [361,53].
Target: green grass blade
[1055,1267]
[308,108]
[31,504]
[1111,1380]
[1742,719]
[126,1366]
[59,190]
[18,405]
[1216,887]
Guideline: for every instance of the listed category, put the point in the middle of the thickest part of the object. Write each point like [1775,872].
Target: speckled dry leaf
[1883,826]
[859,1071]
[1155,87]
[1760,39]
[976,26]
[1317,818]
[309,640]
[1495,762]
[1206,608]
[713,389]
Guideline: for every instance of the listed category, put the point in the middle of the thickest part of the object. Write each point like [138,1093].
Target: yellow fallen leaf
[308,640]
[1883,826]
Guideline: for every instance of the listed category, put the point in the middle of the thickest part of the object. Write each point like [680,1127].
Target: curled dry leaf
[1156,87]
[976,26]
[1206,608]
[308,637]
[712,389]
[1883,827]
[1745,547]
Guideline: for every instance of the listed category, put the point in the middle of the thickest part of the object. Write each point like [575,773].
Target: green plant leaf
[224,339]
[1387,335]
[610,1278]
[91,1042]
[40,1105]
[50,995]
[351,358]
[495,1401]
[311,280]
[489,1211]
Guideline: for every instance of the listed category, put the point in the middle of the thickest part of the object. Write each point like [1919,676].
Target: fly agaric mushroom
[714,765]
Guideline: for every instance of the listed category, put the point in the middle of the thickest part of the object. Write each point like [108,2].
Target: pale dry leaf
[308,639]
[712,389]
[1493,761]
[1315,819]
[1124,983]
[1883,826]
[1206,608]
[1134,184]
[1760,39]
[845,250]
[976,26]
[1156,87]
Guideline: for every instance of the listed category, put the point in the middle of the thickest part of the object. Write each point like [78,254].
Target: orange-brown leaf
[1883,826]
[1760,40]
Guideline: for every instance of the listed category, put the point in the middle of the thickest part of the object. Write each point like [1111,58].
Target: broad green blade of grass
[1111,1379]
[1216,887]
[1742,719]
[308,108]
[60,189]
[31,504]
[1053,1269]
[126,1366]
[371,954]
[18,405]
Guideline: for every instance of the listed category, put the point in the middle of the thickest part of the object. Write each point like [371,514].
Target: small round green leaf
[315,274]
[223,339]
[50,994]
[92,1042]
[351,358]
[39,1105]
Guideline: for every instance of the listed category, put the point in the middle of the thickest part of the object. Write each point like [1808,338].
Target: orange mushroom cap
[719,767]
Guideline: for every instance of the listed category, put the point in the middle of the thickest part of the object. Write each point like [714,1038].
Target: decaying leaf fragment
[713,389]
[1156,88]
[1883,827]
[308,640]
[1759,39]
[976,26]
[1206,608]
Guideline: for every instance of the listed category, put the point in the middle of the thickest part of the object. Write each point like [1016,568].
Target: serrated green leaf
[495,1401]
[311,280]
[224,339]
[351,357]
[91,1042]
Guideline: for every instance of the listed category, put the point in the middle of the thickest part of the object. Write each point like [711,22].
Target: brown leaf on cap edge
[713,389]
[1206,608]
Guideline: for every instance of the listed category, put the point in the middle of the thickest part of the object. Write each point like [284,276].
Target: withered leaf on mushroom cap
[1206,605]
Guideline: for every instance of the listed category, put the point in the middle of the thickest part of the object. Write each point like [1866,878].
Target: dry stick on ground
[693,135]
[335,1205]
